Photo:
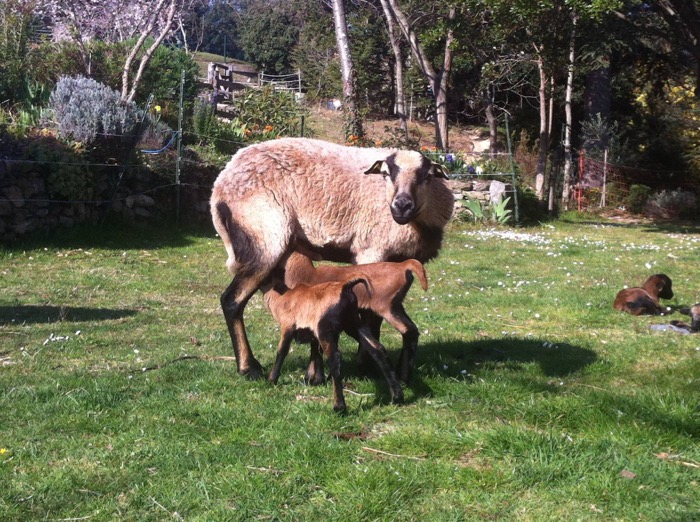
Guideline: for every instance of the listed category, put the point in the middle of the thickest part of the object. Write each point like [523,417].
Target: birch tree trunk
[566,188]
[544,133]
[351,113]
[129,87]
[400,97]
[438,81]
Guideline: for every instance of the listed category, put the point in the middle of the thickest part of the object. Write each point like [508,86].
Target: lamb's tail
[418,269]
[363,279]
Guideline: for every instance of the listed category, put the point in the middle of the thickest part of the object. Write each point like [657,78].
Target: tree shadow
[38,314]
[554,359]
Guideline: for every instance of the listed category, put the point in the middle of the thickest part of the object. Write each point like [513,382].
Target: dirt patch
[328,125]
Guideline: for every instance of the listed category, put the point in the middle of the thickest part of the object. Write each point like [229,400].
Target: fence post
[512,172]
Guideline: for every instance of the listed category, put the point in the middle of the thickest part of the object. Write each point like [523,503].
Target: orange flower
[268,128]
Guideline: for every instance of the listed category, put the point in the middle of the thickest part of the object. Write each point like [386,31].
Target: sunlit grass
[533,399]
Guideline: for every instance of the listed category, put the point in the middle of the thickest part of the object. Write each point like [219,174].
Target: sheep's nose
[402,204]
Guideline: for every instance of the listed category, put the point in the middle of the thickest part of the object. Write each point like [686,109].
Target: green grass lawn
[532,400]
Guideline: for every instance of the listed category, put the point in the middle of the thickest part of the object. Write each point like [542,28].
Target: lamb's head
[662,284]
[694,313]
[408,176]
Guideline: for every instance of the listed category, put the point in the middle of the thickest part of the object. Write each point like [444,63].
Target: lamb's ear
[379,167]
[685,311]
[439,171]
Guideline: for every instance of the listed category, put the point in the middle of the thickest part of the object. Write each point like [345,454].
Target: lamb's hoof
[341,409]
[254,372]
[317,379]
[397,397]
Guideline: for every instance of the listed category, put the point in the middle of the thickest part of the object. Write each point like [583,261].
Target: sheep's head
[694,313]
[408,175]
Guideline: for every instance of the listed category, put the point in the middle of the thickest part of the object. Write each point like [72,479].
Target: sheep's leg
[282,351]
[378,353]
[314,373]
[330,348]
[233,302]
[374,322]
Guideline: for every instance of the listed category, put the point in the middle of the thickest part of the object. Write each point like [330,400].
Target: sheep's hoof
[341,409]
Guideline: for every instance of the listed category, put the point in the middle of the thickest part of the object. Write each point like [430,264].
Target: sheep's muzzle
[403,210]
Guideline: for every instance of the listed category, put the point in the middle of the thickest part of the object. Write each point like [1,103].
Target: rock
[497,191]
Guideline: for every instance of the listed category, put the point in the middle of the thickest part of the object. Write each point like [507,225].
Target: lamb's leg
[378,353]
[282,351]
[233,302]
[374,322]
[314,373]
[330,348]
[399,319]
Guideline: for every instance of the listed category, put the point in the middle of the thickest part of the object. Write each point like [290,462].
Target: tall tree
[139,21]
[683,16]
[438,79]
[353,121]
[267,32]
[400,95]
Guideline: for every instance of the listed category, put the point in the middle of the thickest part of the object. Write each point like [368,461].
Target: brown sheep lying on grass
[644,300]
[390,283]
[323,310]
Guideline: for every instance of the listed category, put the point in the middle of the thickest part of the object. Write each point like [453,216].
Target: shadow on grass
[679,227]
[35,314]
[117,236]
[555,360]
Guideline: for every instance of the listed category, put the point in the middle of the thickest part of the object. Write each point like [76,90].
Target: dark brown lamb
[644,300]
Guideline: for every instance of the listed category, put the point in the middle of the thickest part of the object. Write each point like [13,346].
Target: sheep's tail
[418,269]
[221,216]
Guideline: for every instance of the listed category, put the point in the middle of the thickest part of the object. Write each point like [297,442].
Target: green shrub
[268,113]
[68,174]
[637,198]
[672,204]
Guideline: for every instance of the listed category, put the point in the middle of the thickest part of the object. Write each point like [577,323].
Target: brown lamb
[390,282]
[323,310]
[644,300]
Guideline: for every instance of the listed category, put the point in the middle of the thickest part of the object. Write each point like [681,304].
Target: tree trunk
[441,130]
[544,133]
[353,122]
[566,188]
[438,82]
[491,120]
[400,96]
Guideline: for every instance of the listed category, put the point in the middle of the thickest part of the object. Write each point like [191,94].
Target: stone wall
[486,191]
[26,206]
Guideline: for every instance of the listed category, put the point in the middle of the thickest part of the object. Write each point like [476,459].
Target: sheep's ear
[379,167]
[685,311]
[440,171]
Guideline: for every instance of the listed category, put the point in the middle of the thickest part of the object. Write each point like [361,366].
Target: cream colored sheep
[324,310]
[295,190]
[390,284]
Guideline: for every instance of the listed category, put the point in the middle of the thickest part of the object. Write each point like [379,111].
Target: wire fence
[603,185]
